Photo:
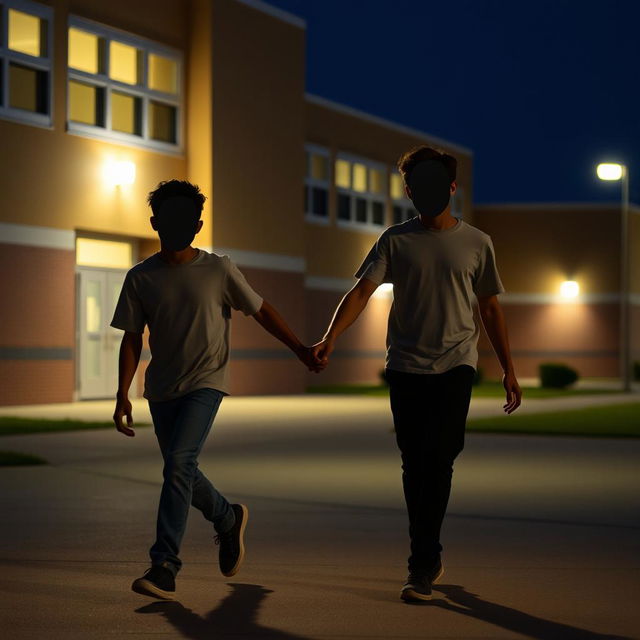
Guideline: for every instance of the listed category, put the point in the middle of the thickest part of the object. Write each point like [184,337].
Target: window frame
[40,63]
[311,182]
[142,91]
[369,196]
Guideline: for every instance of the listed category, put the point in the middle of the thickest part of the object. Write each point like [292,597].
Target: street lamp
[616,171]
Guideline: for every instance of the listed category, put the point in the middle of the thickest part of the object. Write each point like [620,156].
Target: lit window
[397,186]
[26,33]
[25,61]
[93,252]
[343,174]
[85,103]
[316,184]
[360,201]
[27,88]
[162,122]
[123,62]
[125,113]
[85,51]
[359,177]
[101,62]
[163,74]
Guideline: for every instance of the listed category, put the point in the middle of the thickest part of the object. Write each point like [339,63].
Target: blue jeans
[181,426]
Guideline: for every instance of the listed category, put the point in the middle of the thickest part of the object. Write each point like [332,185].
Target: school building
[101,101]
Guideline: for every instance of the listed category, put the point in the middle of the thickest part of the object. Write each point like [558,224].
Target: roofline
[281,14]
[502,207]
[389,124]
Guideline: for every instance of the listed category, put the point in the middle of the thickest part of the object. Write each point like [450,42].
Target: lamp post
[614,171]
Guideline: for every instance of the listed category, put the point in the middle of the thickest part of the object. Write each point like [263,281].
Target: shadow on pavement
[236,615]
[507,618]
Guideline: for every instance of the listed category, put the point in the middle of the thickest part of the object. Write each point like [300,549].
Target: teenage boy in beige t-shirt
[437,264]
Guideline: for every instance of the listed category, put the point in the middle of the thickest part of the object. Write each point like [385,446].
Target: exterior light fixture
[119,173]
[569,289]
[610,171]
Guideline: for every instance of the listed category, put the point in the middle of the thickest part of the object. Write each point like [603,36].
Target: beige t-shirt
[435,276]
[187,308]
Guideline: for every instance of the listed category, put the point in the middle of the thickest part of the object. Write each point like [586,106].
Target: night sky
[539,90]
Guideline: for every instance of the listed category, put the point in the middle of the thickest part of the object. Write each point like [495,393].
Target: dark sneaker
[417,587]
[232,542]
[157,582]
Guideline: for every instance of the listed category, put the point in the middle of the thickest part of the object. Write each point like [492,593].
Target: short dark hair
[171,188]
[409,159]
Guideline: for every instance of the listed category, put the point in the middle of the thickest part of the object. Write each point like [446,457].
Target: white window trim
[141,91]
[309,216]
[44,63]
[352,223]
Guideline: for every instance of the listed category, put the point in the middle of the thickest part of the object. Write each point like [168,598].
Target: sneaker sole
[147,588]
[236,567]
[410,595]
[438,575]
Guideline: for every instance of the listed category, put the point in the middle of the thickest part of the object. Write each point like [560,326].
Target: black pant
[429,414]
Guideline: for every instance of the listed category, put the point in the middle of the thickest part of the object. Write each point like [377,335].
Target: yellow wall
[258,130]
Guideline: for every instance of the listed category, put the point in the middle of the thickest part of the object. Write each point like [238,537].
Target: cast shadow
[469,604]
[236,615]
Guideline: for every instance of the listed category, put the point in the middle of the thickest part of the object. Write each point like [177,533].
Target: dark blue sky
[540,90]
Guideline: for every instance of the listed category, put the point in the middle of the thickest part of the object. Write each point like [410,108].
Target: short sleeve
[486,281]
[129,315]
[377,265]
[237,292]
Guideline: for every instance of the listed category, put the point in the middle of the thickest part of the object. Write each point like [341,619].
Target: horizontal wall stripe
[388,124]
[567,353]
[276,12]
[262,354]
[259,260]
[36,353]
[36,236]
[359,353]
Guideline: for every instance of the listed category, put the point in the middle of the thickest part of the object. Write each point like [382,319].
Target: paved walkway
[541,539]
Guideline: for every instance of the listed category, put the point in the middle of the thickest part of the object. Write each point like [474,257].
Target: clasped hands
[316,357]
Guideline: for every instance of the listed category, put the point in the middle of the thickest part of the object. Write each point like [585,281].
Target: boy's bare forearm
[275,324]
[128,360]
[496,328]
[347,312]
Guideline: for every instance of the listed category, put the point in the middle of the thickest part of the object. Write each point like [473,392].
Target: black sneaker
[232,542]
[157,582]
[417,587]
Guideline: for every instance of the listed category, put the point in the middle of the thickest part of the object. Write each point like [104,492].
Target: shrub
[556,375]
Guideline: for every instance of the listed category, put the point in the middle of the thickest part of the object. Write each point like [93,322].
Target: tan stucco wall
[258,130]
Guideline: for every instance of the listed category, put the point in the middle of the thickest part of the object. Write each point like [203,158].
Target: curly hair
[409,159]
[171,188]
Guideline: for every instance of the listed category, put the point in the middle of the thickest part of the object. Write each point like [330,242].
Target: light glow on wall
[569,289]
[609,171]
[118,173]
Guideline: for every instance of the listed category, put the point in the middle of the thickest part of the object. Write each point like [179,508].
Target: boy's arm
[273,322]
[496,329]
[129,357]
[350,307]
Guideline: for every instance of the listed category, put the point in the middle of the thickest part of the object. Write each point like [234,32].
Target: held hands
[123,408]
[316,357]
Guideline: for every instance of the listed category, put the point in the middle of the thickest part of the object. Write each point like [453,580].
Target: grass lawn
[14,459]
[10,425]
[489,389]
[608,421]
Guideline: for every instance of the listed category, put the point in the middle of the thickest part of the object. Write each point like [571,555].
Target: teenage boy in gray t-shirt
[185,296]
[437,265]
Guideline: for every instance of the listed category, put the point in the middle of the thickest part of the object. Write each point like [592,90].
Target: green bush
[478,377]
[636,370]
[556,375]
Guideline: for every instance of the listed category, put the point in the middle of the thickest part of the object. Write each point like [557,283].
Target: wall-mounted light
[119,173]
[569,289]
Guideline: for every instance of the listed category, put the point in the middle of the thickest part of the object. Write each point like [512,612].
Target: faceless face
[177,222]
[430,188]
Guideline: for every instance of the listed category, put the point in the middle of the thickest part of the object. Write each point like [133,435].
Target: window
[402,206]
[25,62]
[123,88]
[360,192]
[316,184]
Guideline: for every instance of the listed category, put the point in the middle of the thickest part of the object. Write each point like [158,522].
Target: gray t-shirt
[187,308]
[435,275]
